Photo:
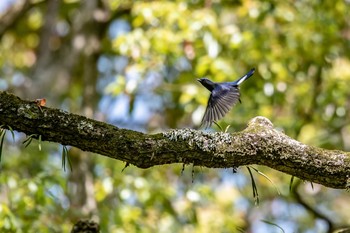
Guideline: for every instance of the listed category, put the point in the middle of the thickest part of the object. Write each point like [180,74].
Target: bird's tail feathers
[246,76]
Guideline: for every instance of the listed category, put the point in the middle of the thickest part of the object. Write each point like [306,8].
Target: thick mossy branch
[259,144]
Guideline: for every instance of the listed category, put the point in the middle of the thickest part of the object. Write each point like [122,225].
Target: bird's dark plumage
[222,98]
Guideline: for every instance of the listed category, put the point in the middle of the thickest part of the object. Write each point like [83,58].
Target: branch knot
[260,121]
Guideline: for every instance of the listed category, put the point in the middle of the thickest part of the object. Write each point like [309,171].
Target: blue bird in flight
[222,98]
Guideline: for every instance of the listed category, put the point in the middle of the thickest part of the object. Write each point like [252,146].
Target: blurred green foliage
[301,50]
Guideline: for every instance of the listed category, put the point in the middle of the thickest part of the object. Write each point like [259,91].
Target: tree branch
[259,144]
[311,208]
[13,14]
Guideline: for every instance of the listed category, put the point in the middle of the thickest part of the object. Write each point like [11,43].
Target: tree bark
[258,144]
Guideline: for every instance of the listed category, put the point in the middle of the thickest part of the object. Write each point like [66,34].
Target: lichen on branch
[260,143]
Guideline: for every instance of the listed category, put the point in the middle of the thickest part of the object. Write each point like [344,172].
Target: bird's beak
[199,80]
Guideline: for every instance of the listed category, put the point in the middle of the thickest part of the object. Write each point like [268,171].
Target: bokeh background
[134,64]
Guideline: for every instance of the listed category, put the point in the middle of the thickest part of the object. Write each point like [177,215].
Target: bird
[222,98]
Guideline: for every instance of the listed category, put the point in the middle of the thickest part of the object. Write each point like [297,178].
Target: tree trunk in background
[66,62]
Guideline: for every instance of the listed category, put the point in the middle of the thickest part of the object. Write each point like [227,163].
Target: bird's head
[207,83]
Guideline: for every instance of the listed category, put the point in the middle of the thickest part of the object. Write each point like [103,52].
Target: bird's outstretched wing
[219,103]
